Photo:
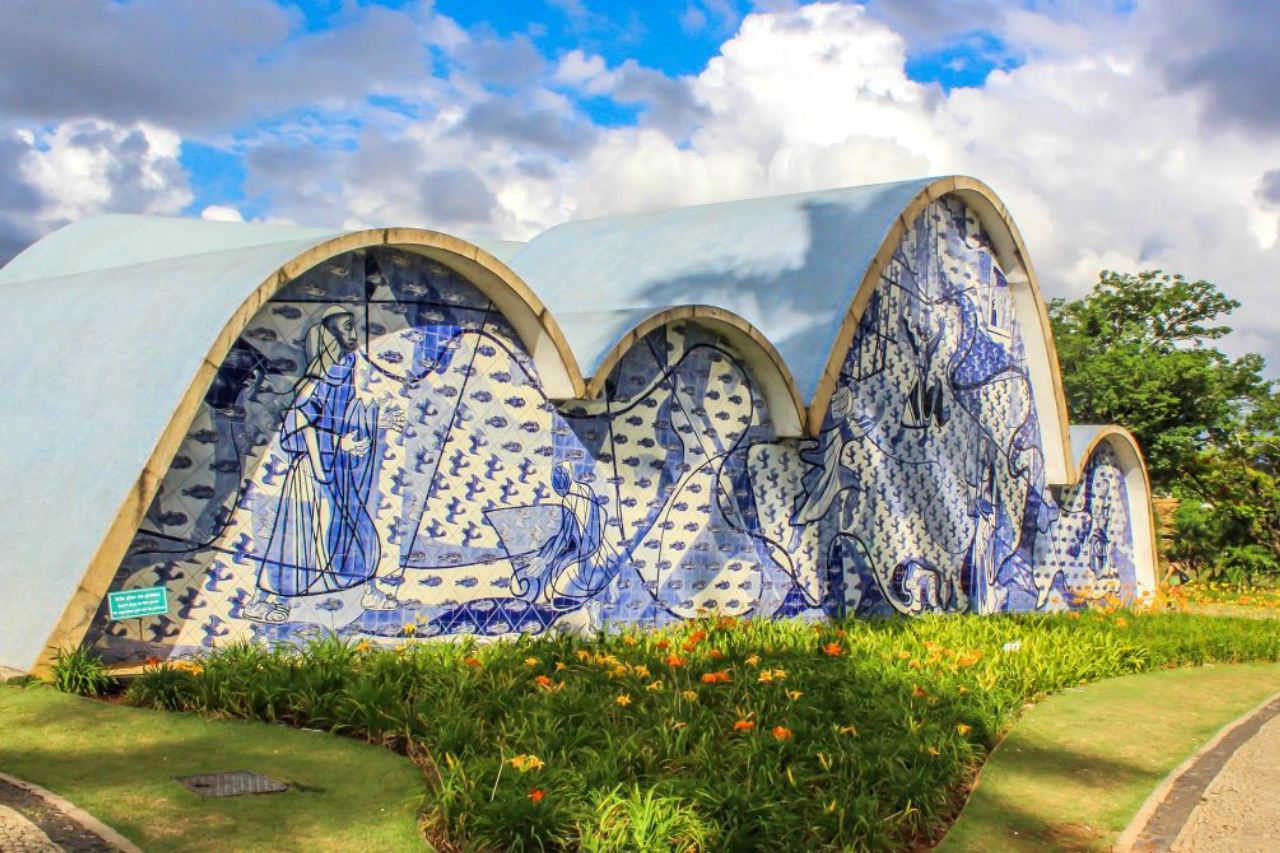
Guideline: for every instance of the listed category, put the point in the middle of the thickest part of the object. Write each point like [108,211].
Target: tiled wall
[377,457]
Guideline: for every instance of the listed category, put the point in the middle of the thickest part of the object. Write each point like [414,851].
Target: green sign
[134,603]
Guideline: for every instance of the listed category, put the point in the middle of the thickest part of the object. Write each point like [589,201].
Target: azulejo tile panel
[377,457]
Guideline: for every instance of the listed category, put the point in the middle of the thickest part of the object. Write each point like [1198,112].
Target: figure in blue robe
[323,537]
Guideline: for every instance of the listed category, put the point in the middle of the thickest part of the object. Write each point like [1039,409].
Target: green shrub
[636,821]
[730,735]
[81,672]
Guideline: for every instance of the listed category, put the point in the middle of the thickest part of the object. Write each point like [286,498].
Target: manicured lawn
[1076,769]
[118,764]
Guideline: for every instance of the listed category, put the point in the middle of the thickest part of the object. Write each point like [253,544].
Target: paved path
[1226,799]
[1240,810]
[34,821]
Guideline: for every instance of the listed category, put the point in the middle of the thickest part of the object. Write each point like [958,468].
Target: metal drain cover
[232,784]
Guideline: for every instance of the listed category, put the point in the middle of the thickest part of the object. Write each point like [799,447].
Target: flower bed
[718,735]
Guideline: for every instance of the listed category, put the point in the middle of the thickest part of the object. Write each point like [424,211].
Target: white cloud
[80,168]
[221,213]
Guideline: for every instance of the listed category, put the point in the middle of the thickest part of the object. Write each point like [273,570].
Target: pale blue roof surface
[112,317]
[789,265]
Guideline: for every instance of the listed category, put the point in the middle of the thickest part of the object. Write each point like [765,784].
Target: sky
[1121,134]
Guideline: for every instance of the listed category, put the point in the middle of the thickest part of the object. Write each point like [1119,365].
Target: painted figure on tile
[323,538]
[576,563]
[828,473]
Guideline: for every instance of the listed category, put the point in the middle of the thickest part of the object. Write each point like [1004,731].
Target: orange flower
[781,733]
[472,662]
[833,650]
[1073,615]
[933,751]
[753,660]
[543,681]
[1121,622]
[663,644]
[715,654]
[720,677]
[629,640]
[963,729]
[915,664]
[675,660]
[970,659]
[624,700]
[536,794]
[918,693]
[153,661]
[743,726]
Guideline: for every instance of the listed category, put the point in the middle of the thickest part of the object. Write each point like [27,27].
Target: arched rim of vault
[769,369]
[1029,306]
[533,323]
[1138,485]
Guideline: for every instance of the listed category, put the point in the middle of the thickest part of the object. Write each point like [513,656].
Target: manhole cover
[232,784]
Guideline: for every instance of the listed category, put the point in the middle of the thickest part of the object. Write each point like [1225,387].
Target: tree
[1136,351]
[1133,351]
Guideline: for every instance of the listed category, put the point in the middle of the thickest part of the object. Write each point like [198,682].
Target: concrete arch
[1087,439]
[1029,306]
[786,405]
[531,320]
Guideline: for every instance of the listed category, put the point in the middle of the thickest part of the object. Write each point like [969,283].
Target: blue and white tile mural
[377,457]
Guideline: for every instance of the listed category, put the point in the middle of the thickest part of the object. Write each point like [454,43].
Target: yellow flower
[793,695]
[963,729]
[641,670]
[530,661]
[691,695]
[624,700]
[525,763]
[583,654]
[848,730]
[629,640]
[765,676]
[362,646]
[559,666]
[904,655]
[780,674]
[933,751]
[657,685]
[409,630]
[915,664]
[753,660]
[1121,622]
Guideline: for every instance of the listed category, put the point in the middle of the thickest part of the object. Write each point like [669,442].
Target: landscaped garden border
[756,735]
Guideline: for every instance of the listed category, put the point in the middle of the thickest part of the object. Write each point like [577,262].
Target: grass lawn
[118,764]
[1075,770]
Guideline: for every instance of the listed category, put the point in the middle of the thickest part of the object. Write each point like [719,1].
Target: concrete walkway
[32,820]
[1224,799]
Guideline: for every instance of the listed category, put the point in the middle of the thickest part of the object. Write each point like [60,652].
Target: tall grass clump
[80,672]
[714,735]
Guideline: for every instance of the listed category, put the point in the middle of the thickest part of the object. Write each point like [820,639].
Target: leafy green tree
[1137,350]
[1134,351]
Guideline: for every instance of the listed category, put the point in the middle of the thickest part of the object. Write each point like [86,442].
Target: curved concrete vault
[127,320]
